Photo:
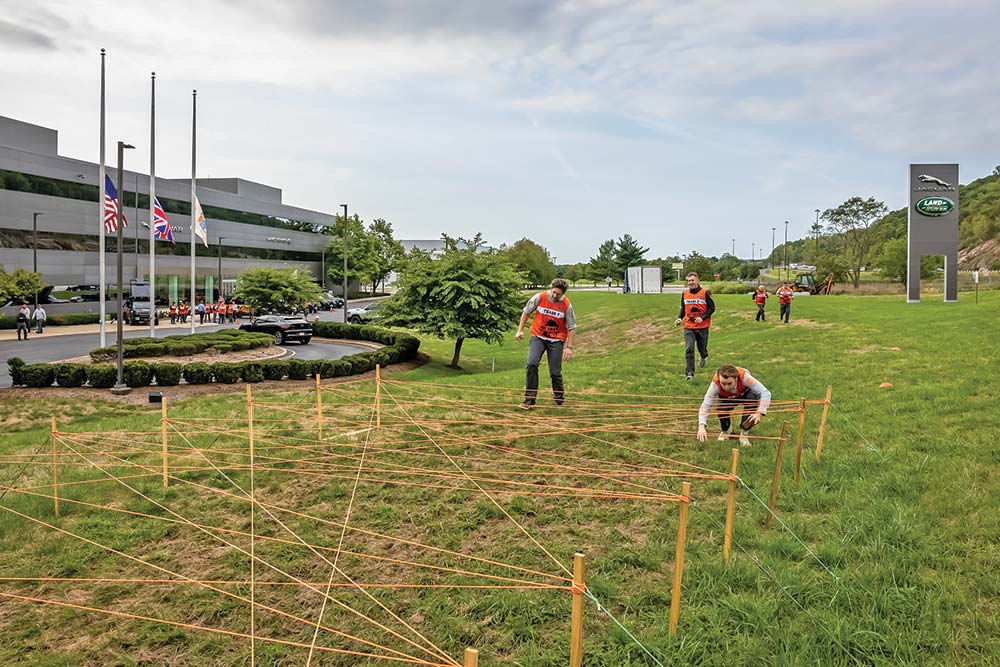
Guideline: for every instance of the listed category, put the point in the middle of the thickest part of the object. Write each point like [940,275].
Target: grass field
[899,521]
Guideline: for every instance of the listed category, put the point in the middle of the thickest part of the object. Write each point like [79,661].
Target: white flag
[200,228]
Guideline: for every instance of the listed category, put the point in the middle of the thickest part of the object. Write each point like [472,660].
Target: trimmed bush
[197,373]
[298,369]
[342,368]
[102,376]
[138,374]
[167,375]
[71,375]
[223,349]
[181,349]
[226,372]
[14,366]
[274,370]
[149,350]
[103,354]
[38,375]
[251,371]
[66,319]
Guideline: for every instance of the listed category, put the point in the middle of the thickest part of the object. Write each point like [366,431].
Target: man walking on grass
[760,298]
[696,314]
[785,294]
[553,329]
[736,389]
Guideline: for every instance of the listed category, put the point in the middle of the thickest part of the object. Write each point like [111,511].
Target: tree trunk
[458,351]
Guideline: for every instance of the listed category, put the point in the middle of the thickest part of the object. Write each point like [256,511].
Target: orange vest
[760,298]
[695,305]
[550,318]
[785,294]
[173,310]
[741,384]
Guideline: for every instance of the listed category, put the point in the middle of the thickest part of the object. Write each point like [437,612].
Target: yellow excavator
[806,282]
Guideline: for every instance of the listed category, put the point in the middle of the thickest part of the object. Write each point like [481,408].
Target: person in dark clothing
[696,311]
[760,298]
[22,322]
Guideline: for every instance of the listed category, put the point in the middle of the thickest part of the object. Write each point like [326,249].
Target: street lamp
[135,193]
[772,248]
[34,251]
[786,250]
[816,231]
[345,262]
[219,287]
[734,247]
[120,384]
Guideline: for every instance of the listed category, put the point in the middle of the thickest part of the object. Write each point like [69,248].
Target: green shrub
[103,354]
[342,368]
[167,374]
[226,372]
[149,350]
[38,375]
[222,348]
[102,376]
[274,369]
[14,366]
[71,375]
[138,373]
[180,349]
[298,369]
[251,371]
[197,373]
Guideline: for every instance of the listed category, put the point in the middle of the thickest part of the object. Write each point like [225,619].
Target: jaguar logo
[924,178]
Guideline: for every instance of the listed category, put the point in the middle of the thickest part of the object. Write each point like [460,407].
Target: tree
[19,286]
[853,220]
[465,293]
[699,264]
[728,267]
[270,290]
[361,262]
[386,251]
[575,272]
[603,264]
[628,253]
[892,261]
[531,259]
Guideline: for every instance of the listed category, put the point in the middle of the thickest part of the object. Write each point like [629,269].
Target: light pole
[120,384]
[786,250]
[218,289]
[817,228]
[34,250]
[734,247]
[322,268]
[345,262]
[753,252]
[772,248]
[135,193]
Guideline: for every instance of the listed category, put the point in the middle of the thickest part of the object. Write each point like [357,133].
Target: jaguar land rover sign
[932,225]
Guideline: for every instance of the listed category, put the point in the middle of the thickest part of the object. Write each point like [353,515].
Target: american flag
[111,207]
[161,226]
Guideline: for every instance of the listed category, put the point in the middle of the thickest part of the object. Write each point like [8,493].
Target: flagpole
[194,125]
[102,171]
[152,198]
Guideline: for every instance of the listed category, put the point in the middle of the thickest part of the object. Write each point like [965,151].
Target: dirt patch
[209,356]
[810,324]
[648,331]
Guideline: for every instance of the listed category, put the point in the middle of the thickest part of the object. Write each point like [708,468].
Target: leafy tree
[628,253]
[465,293]
[827,263]
[603,264]
[269,290]
[19,286]
[728,267]
[750,271]
[531,259]
[575,272]
[892,261]
[853,220]
[386,254]
[361,253]
[699,264]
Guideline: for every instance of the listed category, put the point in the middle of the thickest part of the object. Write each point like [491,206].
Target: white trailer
[644,280]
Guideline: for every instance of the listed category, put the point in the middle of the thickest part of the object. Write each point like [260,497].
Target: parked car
[363,315]
[282,327]
[332,303]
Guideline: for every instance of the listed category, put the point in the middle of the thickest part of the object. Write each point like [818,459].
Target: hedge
[398,347]
[59,320]
[225,340]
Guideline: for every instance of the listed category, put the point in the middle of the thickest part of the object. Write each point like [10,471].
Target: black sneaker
[701,364]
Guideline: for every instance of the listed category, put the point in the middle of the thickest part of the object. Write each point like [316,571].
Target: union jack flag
[161,226]
[111,207]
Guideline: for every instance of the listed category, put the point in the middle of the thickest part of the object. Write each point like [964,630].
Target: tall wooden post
[319,410]
[777,473]
[471,658]
[675,598]
[378,395]
[55,467]
[163,436]
[730,507]
[576,625]
[253,512]
[822,421]
[798,438]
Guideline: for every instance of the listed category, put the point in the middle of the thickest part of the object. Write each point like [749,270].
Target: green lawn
[899,522]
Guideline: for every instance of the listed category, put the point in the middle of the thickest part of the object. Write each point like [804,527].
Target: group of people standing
[25,317]
[785,293]
[213,313]
[553,330]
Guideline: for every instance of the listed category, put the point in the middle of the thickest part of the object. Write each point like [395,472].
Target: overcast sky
[684,123]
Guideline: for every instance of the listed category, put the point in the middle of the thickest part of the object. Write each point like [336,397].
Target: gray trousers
[553,350]
[694,337]
[784,310]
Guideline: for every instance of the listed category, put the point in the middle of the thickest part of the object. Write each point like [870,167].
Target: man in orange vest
[785,294]
[553,329]
[697,307]
[173,312]
[760,298]
[735,388]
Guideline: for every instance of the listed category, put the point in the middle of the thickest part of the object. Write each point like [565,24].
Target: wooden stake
[675,598]
[471,657]
[777,473]
[822,421]
[319,410]
[253,512]
[730,507]
[55,468]
[798,437]
[378,395]
[163,436]
[576,624]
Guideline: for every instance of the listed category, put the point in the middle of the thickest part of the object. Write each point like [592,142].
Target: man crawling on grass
[736,389]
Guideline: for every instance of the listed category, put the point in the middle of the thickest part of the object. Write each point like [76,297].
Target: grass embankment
[904,508]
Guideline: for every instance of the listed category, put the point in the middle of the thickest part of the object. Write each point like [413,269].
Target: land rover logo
[934,206]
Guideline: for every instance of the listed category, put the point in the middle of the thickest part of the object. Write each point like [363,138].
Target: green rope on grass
[601,608]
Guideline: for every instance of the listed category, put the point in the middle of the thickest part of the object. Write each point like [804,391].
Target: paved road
[52,346]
